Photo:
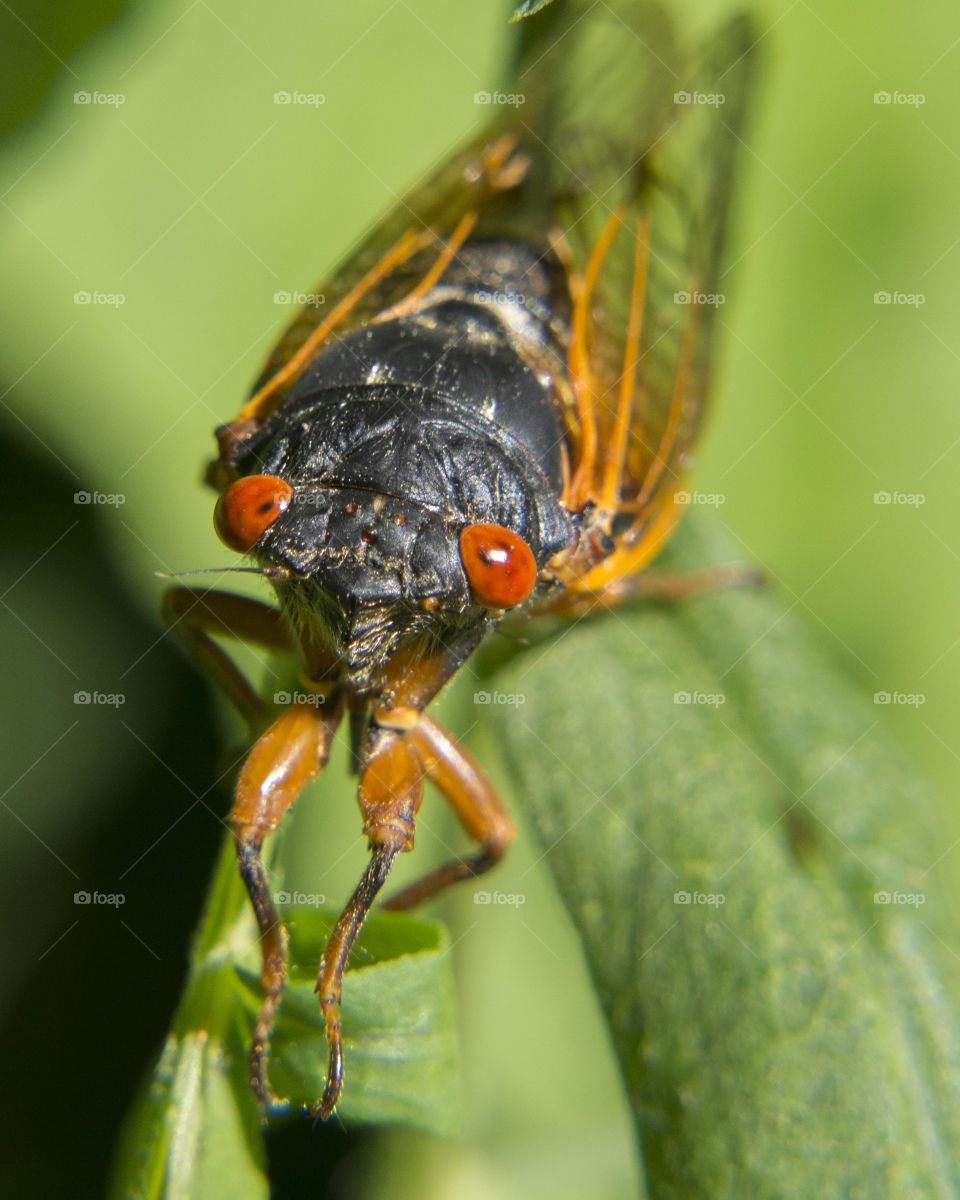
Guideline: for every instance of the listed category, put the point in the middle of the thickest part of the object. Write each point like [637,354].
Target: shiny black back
[410,428]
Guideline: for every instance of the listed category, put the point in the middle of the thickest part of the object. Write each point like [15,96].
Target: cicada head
[393,515]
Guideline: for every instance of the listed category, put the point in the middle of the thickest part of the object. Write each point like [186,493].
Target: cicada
[490,416]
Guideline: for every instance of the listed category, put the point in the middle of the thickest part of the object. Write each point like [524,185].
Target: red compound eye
[248,507]
[499,565]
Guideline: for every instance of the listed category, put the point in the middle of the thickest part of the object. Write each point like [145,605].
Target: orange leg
[470,794]
[330,982]
[196,615]
[390,791]
[285,758]
[402,747]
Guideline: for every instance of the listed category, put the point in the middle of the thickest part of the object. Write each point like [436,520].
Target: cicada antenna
[269,572]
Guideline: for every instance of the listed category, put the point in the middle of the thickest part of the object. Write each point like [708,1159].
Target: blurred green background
[182,186]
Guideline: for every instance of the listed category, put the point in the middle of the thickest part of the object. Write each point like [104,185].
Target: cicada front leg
[285,757]
[395,762]
[389,794]
[458,778]
[284,760]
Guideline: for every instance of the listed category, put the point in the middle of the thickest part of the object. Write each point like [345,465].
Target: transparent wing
[398,260]
[615,157]
[633,135]
[422,220]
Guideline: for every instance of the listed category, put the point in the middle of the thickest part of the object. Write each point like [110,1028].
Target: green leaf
[207,1148]
[188,1136]
[528,8]
[400,1043]
[196,1132]
[783,1032]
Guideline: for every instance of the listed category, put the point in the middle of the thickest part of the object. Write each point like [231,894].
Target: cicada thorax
[421,460]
